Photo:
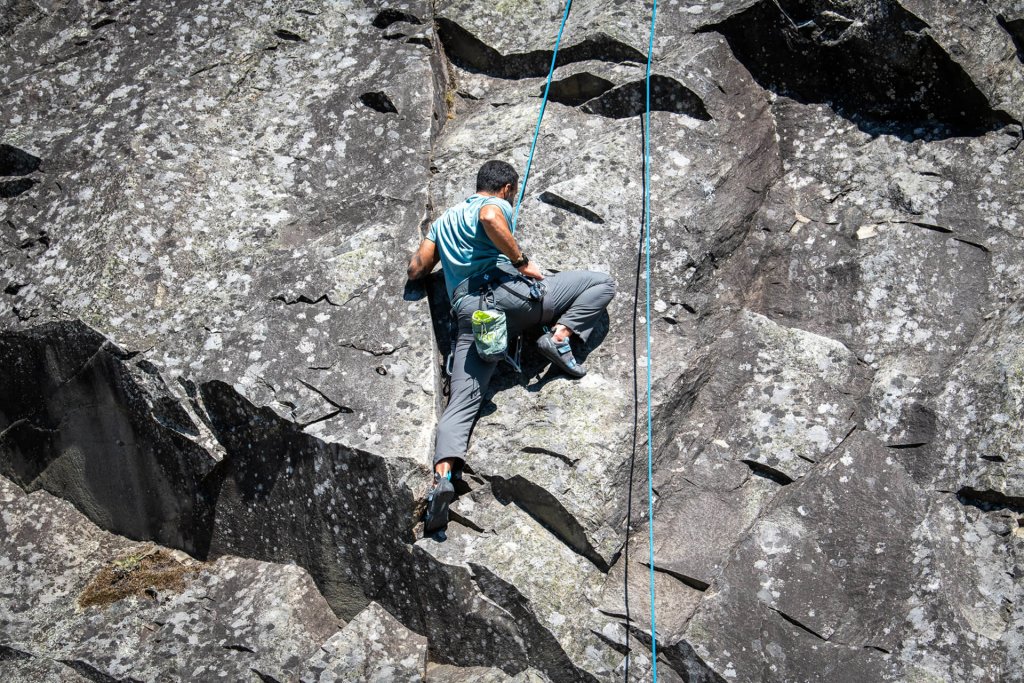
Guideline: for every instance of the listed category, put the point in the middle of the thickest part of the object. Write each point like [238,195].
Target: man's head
[498,178]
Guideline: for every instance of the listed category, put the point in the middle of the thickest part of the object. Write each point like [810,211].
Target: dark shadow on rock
[539,643]
[684,659]
[553,199]
[540,504]
[415,290]
[389,16]
[873,64]
[83,423]
[12,188]
[440,312]
[574,90]
[282,495]
[667,94]
[582,350]
[121,448]
[14,161]
[379,101]
[291,36]
[989,501]
[468,52]
[1015,27]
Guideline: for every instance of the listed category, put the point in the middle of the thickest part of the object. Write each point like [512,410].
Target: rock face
[208,342]
[234,616]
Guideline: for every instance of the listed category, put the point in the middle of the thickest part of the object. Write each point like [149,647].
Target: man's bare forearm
[506,243]
[497,230]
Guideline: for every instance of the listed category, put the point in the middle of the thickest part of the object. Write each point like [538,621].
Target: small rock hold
[867,231]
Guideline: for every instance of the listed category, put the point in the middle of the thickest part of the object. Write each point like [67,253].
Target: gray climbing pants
[573,298]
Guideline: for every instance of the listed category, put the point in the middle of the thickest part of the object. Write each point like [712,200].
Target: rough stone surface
[208,343]
[446,673]
[372,647]
[235,618]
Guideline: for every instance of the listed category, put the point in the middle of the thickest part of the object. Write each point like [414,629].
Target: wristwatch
[523,260]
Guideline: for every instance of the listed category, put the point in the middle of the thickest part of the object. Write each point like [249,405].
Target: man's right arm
[497,229]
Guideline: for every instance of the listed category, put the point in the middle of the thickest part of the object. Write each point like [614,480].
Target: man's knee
[610,284]
[606,285]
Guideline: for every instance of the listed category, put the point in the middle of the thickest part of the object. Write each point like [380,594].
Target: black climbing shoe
[560,355]
[437,504]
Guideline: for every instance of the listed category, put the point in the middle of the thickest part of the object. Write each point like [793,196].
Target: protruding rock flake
[219,393]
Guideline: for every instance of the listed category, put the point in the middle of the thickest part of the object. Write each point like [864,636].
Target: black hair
[494,175]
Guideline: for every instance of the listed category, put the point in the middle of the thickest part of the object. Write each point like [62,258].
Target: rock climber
[485,268]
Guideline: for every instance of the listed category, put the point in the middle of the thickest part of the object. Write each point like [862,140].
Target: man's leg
[470,378]
[574,300]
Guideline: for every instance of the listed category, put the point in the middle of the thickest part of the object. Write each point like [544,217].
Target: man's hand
[531,270]
[423,261]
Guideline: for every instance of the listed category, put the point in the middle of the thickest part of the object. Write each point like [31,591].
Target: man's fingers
[533,271]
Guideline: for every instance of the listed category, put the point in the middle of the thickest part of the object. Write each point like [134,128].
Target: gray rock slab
[675,601]
[226,137]
[541,586]
[842,581]
[21,666]
[791,394]
[969,594]
[446,673]
[981,438]
[371,647]
[877,598]
[817,588]
[694,529]
[233,616]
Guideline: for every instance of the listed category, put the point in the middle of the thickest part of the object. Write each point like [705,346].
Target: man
[485,268]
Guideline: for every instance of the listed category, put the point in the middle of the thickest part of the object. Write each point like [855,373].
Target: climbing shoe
[438,500]
[560,354]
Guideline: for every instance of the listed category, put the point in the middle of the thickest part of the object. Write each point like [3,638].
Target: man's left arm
[423,260]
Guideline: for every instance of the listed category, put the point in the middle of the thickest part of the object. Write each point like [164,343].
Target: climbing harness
[646,248]
[482,285]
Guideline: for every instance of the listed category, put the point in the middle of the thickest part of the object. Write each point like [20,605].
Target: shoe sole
[437,507]
[547,349]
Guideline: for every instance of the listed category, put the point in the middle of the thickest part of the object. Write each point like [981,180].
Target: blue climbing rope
[647,268]
[540,117]
[647,273]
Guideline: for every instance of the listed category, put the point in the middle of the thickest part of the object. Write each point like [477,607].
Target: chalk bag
[490,335]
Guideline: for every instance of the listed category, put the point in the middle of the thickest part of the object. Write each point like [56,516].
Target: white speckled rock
[233,617]
[207,340]
[373,647]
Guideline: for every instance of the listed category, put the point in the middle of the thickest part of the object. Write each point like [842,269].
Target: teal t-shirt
[462,243]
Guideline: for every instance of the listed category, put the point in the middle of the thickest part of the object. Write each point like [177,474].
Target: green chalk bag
[490,335]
